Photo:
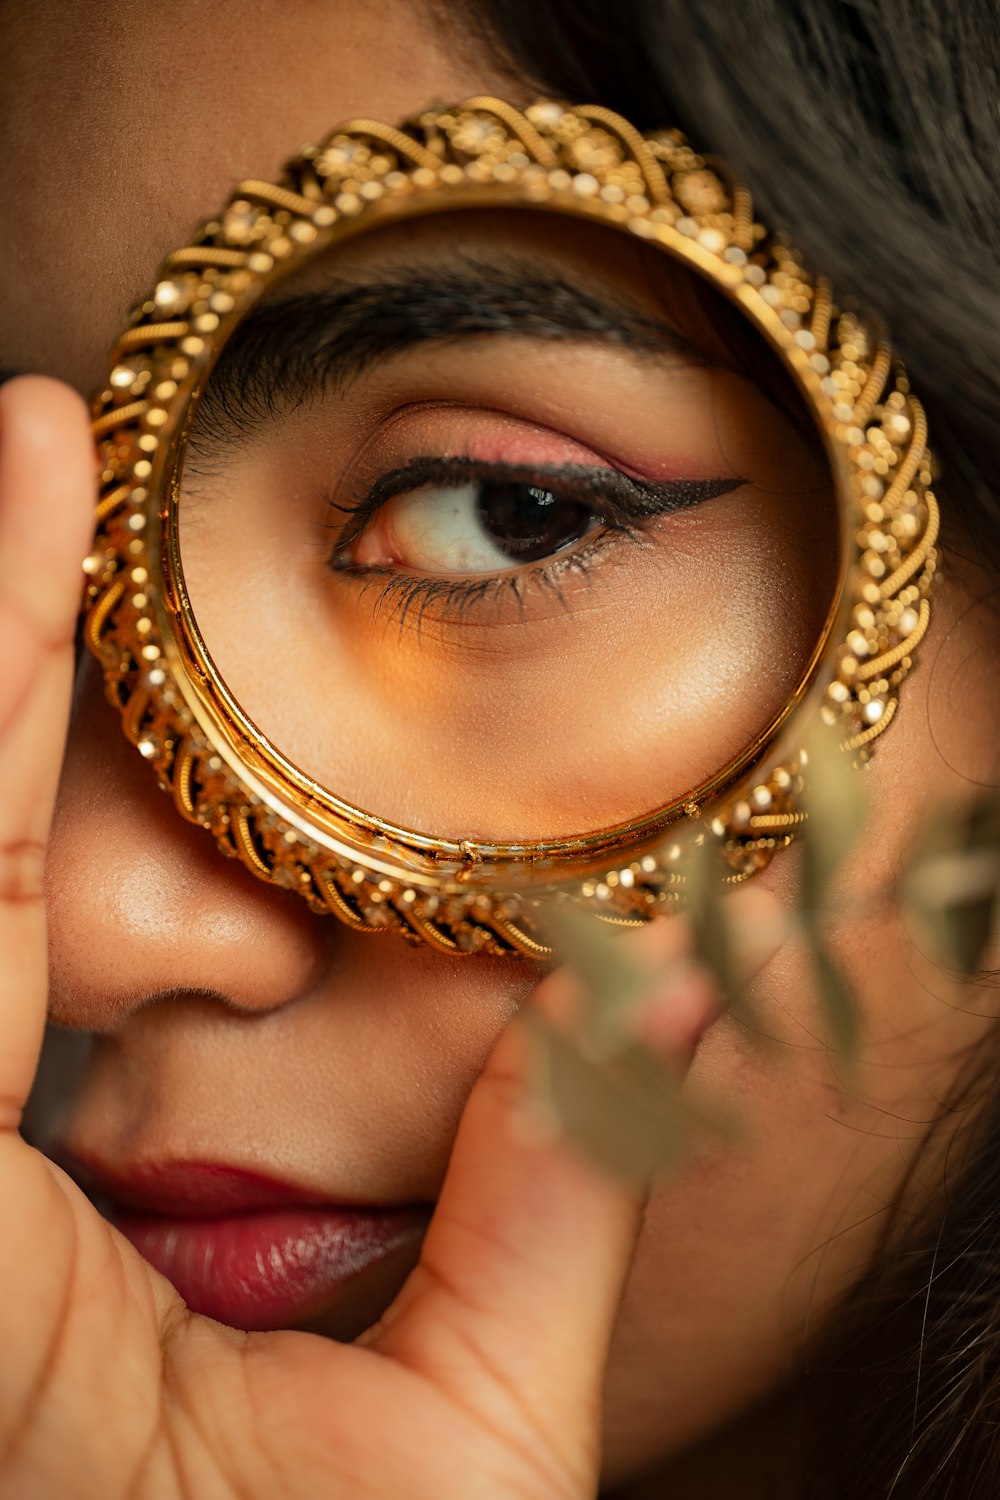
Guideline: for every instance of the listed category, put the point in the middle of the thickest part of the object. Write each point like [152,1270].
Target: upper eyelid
[582,481]
[428,469]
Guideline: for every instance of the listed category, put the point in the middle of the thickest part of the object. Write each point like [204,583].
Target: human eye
[515,580]
[451,526]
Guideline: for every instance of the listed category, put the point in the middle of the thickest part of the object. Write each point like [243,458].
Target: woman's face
[229,1025]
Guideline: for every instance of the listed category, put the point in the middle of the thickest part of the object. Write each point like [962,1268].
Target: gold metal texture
[466,895]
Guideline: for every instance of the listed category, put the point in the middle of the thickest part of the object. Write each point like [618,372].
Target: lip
[256,1252]
[187,1189]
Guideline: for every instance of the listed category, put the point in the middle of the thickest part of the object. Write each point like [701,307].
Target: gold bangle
[464,896]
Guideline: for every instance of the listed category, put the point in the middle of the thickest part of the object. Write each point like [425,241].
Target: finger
[512,1305]
[46,517]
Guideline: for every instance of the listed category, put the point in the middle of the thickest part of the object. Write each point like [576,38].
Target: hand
[484,1377]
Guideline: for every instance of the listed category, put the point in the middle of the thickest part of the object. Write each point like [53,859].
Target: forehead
[121,126]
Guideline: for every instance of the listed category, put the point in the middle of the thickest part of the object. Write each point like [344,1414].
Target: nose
[141,903]
[358,1076]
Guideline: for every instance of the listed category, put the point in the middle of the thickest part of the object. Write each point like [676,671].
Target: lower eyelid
[441,597]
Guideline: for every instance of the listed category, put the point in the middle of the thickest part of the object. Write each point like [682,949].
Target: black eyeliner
[617,499]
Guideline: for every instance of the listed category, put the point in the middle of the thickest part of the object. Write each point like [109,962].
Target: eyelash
[623,505]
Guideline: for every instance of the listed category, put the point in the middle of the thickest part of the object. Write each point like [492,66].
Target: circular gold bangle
[468,895]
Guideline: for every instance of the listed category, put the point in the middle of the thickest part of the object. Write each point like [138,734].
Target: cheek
[747,1255]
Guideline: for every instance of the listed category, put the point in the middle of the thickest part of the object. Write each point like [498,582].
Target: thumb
[511,1307]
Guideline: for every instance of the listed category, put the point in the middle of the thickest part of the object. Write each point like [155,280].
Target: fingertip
[41,402]
[45,432]
[47,495]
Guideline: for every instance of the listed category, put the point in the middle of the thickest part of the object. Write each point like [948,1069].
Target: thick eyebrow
[291,348]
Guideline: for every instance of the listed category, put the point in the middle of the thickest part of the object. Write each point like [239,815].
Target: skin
[574,1322]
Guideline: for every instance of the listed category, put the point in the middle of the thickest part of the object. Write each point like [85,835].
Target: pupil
[527,522]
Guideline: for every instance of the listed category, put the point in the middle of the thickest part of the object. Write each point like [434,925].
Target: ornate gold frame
[464,895]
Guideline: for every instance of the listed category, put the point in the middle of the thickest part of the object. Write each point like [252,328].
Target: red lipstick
[258,1253]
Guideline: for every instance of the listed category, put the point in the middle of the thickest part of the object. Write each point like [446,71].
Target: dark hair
[871,134]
